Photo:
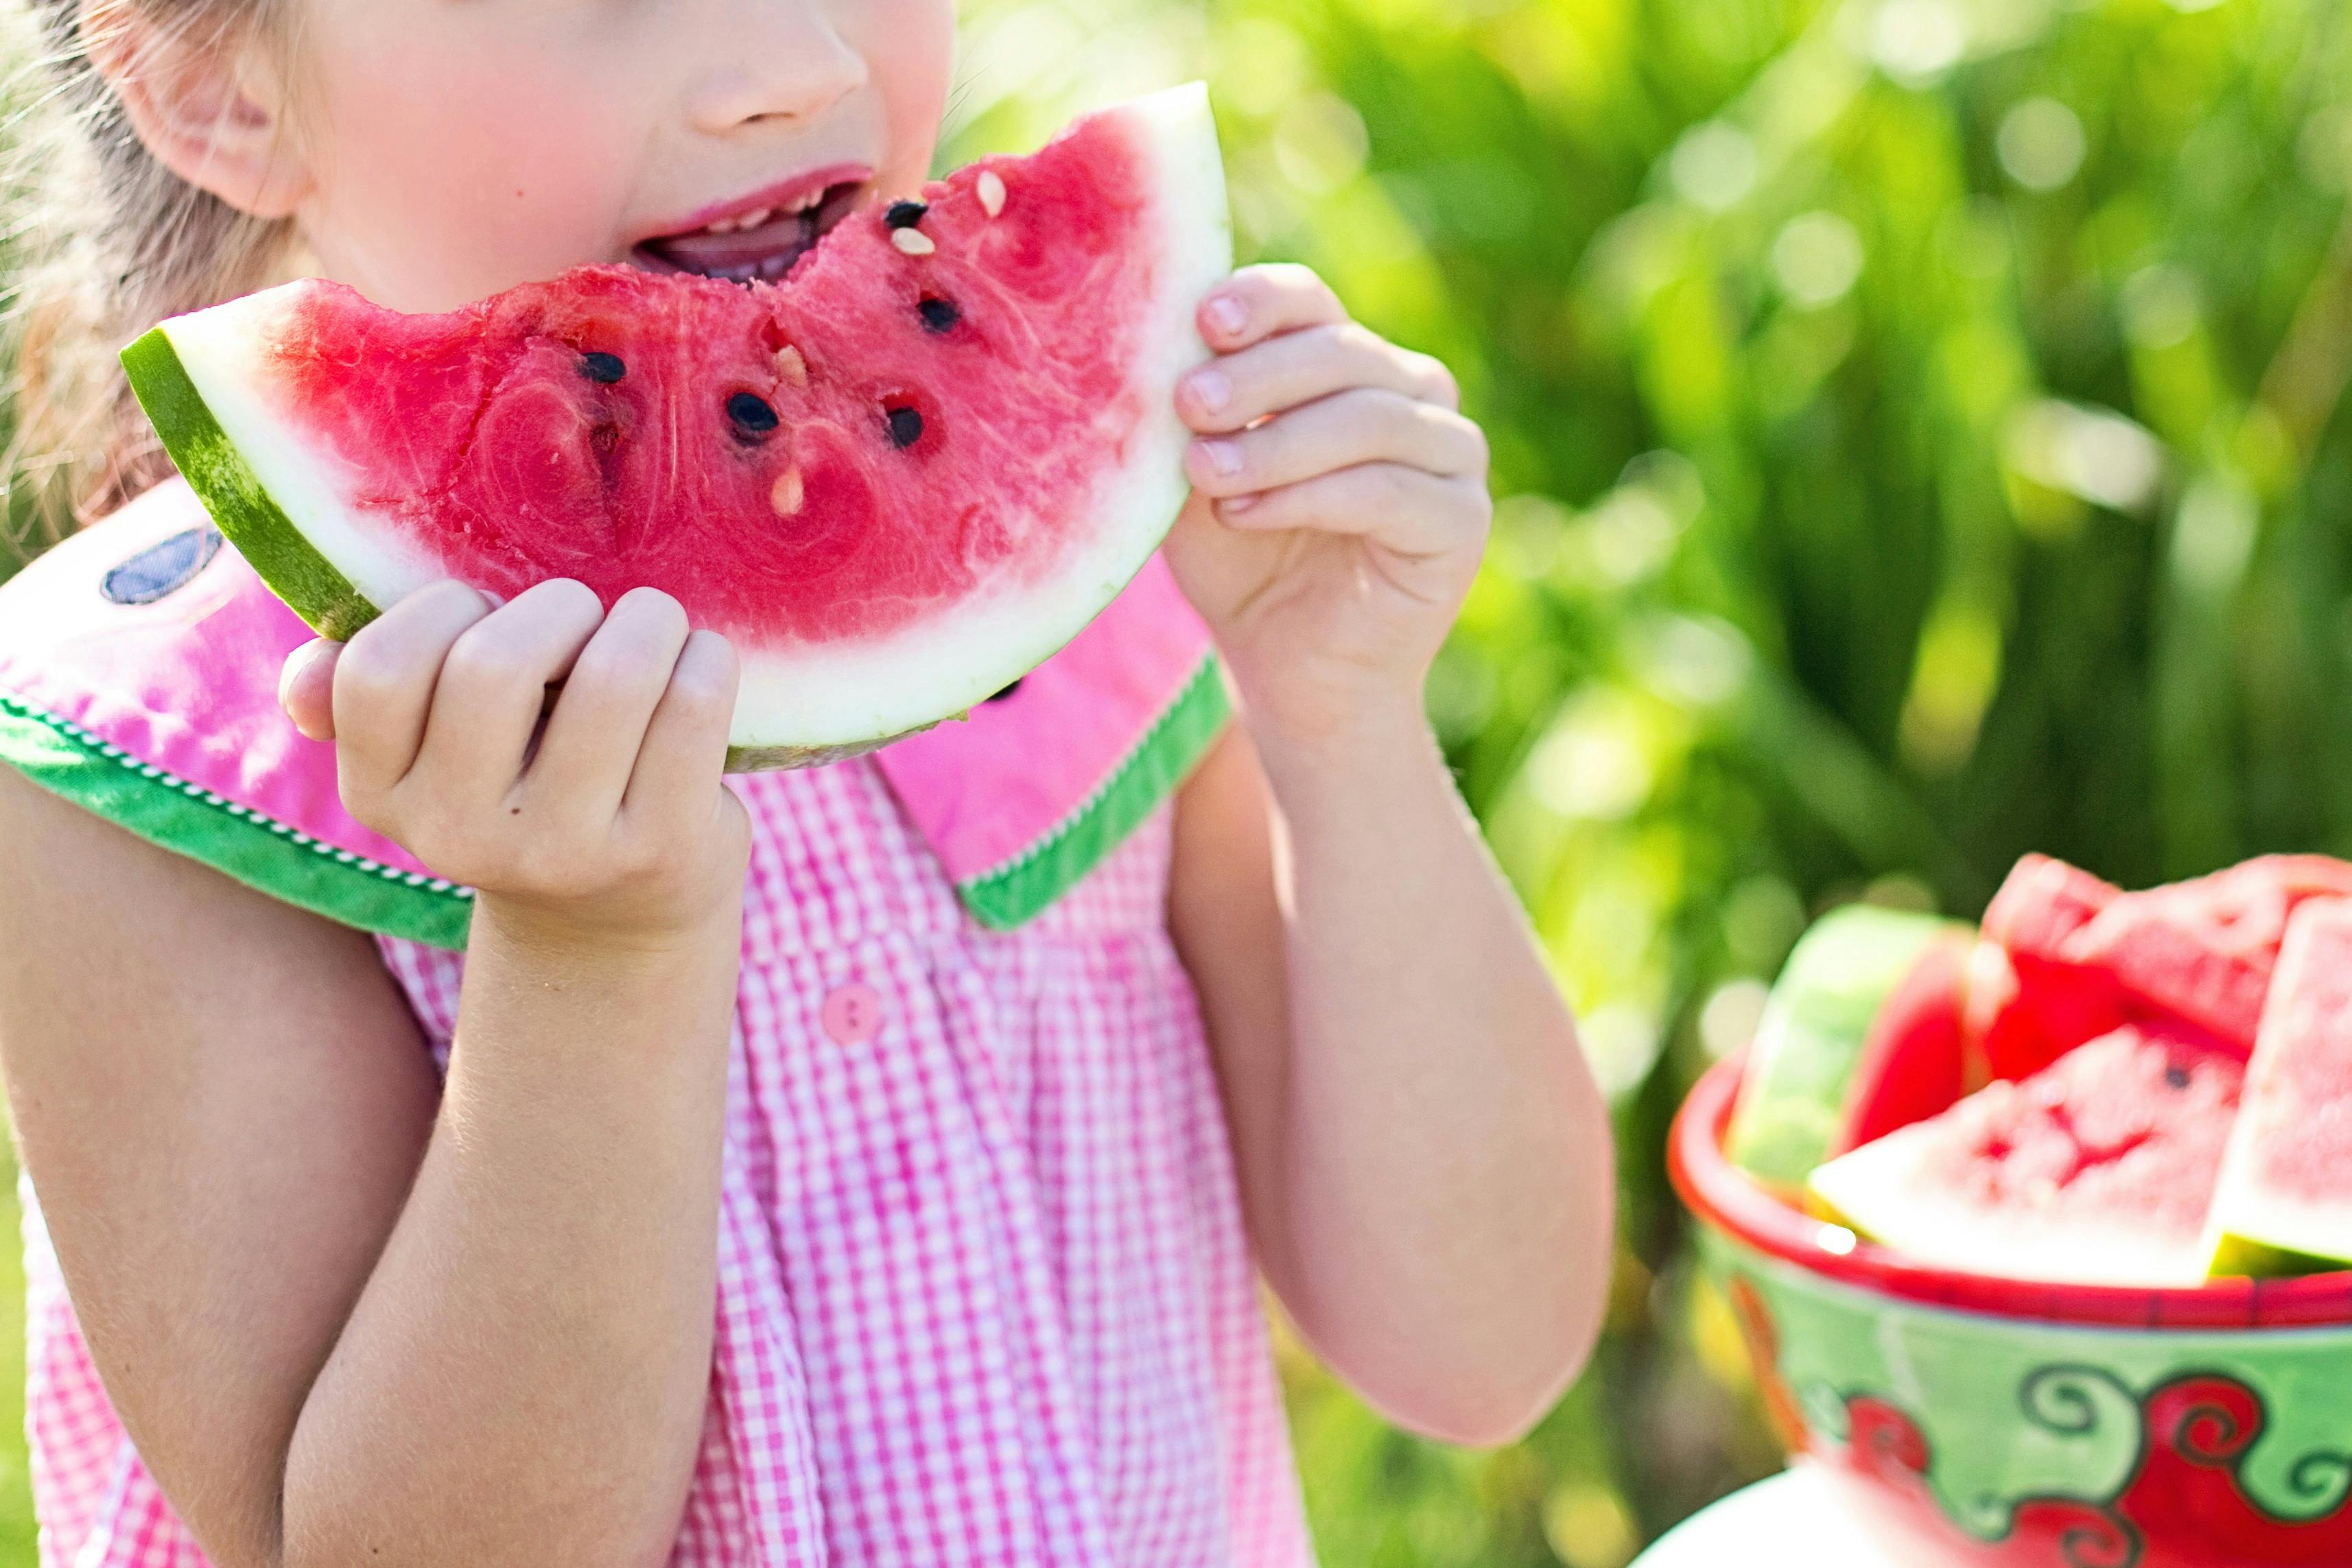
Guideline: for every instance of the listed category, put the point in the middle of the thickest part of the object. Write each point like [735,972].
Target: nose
[786,61]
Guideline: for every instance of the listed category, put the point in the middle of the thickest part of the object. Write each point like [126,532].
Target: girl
[980,1210]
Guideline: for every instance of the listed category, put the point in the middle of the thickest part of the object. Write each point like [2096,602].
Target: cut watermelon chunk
[1914,1065]
[2284,1205]
[1816,1028]
[2028,1005]
[896,481]
[2204,950]
[2043,902]
[2098,1171]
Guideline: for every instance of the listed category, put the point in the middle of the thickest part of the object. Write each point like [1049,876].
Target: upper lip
[781,196]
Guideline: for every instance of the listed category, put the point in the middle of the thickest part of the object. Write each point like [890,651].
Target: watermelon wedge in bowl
[897,479]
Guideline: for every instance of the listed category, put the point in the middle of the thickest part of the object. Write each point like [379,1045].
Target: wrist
[574,941]
[1374,739]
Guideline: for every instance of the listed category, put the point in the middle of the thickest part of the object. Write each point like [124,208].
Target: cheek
[443,178]
[910,48]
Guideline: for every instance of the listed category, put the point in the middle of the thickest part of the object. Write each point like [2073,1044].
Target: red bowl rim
[1723,1196]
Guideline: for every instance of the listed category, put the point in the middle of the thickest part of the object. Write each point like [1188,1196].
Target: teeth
[809,203]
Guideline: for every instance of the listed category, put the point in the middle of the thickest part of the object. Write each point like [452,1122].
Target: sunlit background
[1916,442]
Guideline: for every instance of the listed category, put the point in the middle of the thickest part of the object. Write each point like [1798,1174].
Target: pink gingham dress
[984,1296]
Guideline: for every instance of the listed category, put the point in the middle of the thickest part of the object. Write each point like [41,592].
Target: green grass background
[1917,440]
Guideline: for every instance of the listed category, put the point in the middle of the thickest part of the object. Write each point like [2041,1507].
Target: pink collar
[139,664]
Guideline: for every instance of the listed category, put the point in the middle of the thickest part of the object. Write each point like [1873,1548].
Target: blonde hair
[106,242]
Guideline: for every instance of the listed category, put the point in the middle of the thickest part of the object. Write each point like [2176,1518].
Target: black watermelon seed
[752,414]
[2176,1076]
[905,427]
[940,315]
[603,369]
[905,214]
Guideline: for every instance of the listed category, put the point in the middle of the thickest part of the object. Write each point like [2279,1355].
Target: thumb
[306,688]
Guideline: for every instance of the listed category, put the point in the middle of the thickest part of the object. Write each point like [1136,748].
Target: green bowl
[1968,1420]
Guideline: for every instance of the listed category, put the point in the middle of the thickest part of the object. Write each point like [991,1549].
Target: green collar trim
[256,848]
[1021,888]
[286,864]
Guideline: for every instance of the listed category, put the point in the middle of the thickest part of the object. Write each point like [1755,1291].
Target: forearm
[524,1377]
[1443,1155]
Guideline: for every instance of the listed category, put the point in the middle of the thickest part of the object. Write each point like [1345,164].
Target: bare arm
[1425,1156]
[340,1328]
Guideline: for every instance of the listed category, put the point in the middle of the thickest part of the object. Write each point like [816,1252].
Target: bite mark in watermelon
[896,481]
[2100,1170]
[2284,1204]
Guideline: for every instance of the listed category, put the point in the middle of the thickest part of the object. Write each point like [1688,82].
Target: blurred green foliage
[1917,440]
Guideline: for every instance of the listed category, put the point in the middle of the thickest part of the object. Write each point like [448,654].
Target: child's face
[456,147]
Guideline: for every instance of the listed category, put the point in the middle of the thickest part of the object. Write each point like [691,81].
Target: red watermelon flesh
[2027,1003]
[2043,902]
[2285,1197]
[1914,1065]
[897,480]
[2204,950]
[2099,1170]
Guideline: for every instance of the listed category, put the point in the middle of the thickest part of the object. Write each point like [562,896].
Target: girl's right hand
[614,829]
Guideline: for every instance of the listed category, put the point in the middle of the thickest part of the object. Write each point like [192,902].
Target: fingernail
[1228,315]
[299,663]
[1212,390]
[1232,503]
[1225,456]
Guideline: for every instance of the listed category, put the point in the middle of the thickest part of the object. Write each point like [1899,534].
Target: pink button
[853,1014]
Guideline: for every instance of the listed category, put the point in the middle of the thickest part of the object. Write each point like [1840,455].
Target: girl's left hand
[1338,509]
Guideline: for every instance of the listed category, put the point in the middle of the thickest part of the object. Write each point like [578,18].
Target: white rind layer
[836,694]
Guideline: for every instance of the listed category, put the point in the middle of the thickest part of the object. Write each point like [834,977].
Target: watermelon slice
[2285,1200]
[1816,1028]
[898,480]
[2099,1170]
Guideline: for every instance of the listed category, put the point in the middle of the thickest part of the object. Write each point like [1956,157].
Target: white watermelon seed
[912,242]
[792,366]
[790,493]
[991,190]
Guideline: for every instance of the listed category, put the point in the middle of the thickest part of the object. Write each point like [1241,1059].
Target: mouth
[757,238]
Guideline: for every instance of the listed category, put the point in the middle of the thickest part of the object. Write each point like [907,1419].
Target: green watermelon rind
[236,497]
[1815,1027]
[267,855]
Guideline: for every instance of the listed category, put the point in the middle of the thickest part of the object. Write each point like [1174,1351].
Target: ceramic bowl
[1966,1420]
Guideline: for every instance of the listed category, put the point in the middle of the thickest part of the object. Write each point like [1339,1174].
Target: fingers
[383,685]
[306,688]
[1302,367]
[1408,510]
[594,735]
[1361,425]
[487,704]
[686,740]
[1261,302]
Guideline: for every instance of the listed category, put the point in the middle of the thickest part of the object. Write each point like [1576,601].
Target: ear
[206,101]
